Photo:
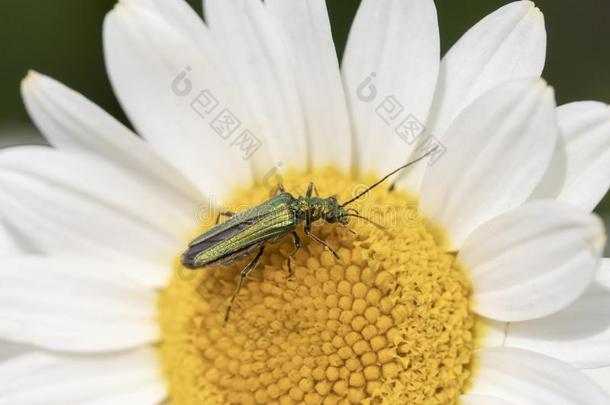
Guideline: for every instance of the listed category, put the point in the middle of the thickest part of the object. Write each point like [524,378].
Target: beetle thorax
[316,208]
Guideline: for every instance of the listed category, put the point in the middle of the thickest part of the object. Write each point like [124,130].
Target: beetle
[249,231]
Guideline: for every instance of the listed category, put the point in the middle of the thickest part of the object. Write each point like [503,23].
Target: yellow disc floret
[389,323]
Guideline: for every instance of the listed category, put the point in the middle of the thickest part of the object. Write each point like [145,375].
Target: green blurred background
[62,38]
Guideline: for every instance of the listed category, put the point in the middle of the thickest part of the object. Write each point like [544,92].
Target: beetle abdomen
[241,234]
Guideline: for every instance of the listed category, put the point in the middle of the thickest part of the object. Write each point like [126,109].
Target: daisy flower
[486,287]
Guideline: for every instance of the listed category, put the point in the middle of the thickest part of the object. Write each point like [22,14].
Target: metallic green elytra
[249,231]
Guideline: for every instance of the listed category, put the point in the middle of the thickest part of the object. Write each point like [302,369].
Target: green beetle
[249,231]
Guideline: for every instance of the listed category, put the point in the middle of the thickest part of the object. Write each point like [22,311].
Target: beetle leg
[227,214]
[321,242]
[242,275]
[279,189]
[308,222]
[297,246]
[311,189]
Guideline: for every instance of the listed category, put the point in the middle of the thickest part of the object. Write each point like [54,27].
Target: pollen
[389,322]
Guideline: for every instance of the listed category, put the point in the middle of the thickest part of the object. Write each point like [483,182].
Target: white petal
[256,53]
[509,43]
[9,246]
[149,393]
[586,129]
[491,333]
[9,350]
[496,152]
[150,46]
[553,180]
[71,205]
[123,378]
[601,376]
[13,242]
[603,275]
[532,261]
[527,378]
[74,305]
[390,69]
[306,30]
[72,123]
[482,400]
[578,335]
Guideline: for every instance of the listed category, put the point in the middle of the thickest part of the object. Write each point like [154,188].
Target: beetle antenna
[350,230]
[367,220]
[362,194]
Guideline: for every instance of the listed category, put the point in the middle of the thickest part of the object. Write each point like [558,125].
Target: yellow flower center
[389,323]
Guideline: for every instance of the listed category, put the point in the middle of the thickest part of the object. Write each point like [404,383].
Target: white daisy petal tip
[34,79]
[532,261]
[29,77]
[507,44]
[30,83]
[535,11]
[72,123]
[540,81]
[543,85]
[528,8]
[33,85]
[124,4]
[600,239]
[121,3]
